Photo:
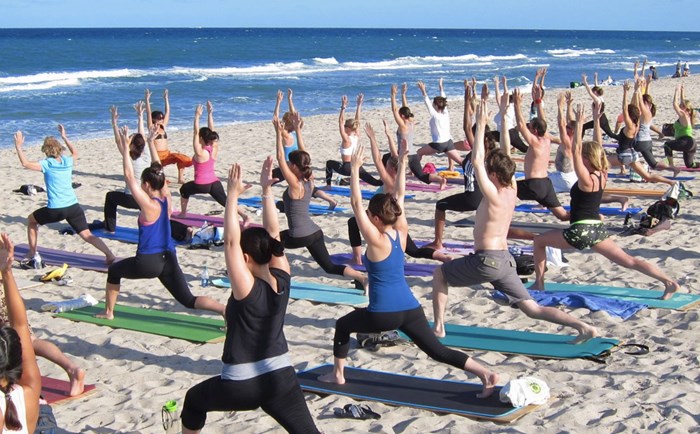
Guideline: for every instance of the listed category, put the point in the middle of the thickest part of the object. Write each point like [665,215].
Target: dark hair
[154,176]
[11,371]
[597,90]
[440,102]
[136,146]
[389,160]
[259,245]
[405,112]
[634,112]
[649,100]
[539,126]
[500,164]
[385,207]
[208,135]
[302,160]
[156,114]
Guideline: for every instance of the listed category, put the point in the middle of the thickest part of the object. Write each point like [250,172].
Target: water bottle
[204,277]
[31,190]
[170,417]
[38,262]
[64,306]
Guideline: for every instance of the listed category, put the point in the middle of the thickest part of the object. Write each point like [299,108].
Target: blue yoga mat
[256,202]
[410,268]
[536,208]
[675,178]
[127,235]
[316,292]
[545,345]
[366,194]
[647,297]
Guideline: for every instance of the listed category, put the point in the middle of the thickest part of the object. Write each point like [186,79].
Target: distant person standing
[677,74]
[686,70]
[654,73]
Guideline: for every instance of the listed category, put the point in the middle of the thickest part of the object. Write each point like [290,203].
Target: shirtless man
[492,262]
[536,185]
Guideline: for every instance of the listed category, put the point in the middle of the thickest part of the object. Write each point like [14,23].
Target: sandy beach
[136,373]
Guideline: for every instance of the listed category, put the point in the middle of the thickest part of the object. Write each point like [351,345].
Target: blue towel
[620,308]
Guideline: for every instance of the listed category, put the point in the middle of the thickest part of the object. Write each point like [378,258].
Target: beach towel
[410,268]
[174,325]
[59,257]
[442,396]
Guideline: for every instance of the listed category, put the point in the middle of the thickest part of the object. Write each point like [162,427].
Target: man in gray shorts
[492,262]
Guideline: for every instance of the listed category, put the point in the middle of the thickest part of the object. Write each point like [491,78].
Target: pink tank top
[204,172]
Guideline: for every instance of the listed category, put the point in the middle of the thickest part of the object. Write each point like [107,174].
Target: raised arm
[522,125]
[468,112]
[139,108]
[166,117]
[592,94]
[238,273]
[369,232]
[73,151]
[278,103]
[404,95]
[395,108]
[562,121]
[538,93]
[639,101]
[629,124]
[358,110]
[297,122]
[290,100]
[585,180]
[210,115]
[390,138]
[17,314]
[426,98]
[677,100]
[341,119]
[376,155]
[147,99]
[196,146]
[32,165]
[270,217]
[487,187]
[132,179]
[115,126]
[287,173]
[597,130]
[400,183]
[503,102]
[151,143]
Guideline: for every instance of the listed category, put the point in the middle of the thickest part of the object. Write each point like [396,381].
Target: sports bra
[347,152]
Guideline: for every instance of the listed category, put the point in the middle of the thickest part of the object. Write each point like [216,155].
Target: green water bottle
[171,418]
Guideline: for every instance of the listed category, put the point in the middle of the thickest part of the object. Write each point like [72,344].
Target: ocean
[73,76]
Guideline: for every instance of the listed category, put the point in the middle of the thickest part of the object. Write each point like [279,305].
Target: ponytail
[11,371]
[259,245]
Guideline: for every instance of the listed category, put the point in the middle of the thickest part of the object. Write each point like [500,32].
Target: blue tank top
[291,148]
[156,238]
[388,290]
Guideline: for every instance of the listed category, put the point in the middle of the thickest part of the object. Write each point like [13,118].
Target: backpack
[658,217]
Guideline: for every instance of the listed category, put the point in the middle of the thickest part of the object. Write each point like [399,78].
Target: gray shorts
[494,266]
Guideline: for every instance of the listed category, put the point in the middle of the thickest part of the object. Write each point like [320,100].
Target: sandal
[354,411]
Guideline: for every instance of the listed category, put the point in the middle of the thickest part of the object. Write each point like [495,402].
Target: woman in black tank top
[587,230]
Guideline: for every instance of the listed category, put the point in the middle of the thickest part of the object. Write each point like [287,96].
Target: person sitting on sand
[155,254]
[62,201]
[586,229]
[303,232]
[20,383]
[161,119]
[293,140]
[391,302]
[683,136]
[405,133]
[492,262]
[257,371]
[205,142]
[349,133]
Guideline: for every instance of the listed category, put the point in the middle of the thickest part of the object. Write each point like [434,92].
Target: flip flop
[354,411]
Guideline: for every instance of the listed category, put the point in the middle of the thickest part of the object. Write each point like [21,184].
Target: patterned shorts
[584,235]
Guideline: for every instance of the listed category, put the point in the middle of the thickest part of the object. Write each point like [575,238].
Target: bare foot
[332,378]
[326,187]
[365,285]
[181,214]
[671,288]
[439,330]
[105,315]
[332,204]
[435,244]
[489,383]
[586,334]
[180,180]
[537,285]
[109,259]
[357,260]
[624,203]
[676,170]
[77,381]
[443,183]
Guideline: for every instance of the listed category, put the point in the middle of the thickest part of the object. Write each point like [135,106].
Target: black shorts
[74,215]
[443,147]
[540,190]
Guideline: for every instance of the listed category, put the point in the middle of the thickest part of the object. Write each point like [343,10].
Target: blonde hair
[287,121]
[593,152]
[352,124]
[52,147]
[691,112]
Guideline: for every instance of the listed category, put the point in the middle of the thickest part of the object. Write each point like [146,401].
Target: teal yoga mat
[316,292]
[679,301]
[544,345]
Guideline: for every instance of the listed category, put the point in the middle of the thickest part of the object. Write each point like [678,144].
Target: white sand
[136,373]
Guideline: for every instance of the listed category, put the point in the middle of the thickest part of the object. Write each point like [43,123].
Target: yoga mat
[442,396]
[316,292]
[433,188]
[127,235]
[173,325]
[314,209]
[679,301]
[675,178]
[537,208]
[635,192]
[461,248]
[410,268]
[59,257]
[543,345]
[366,194]
[56,391]
[198,219]
[533,226]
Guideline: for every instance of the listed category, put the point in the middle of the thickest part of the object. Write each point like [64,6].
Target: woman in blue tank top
[155,254]
[391,302]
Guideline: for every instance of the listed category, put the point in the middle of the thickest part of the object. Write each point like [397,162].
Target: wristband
[538,101]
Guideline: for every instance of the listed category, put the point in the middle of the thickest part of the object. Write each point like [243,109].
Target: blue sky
[673,15]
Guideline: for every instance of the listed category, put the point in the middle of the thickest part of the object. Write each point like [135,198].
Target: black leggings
[343,168]
[417,169]
[645,148]
[411,249]
[278,393]
[316,245]
[685,144]
[516,141]
[215,189]
[604,125]
[164,266]
[412,322]
[460,202]
[113,199]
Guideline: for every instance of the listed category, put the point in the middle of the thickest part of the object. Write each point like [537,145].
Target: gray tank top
[563,163]
[408,137]
[297,211]
[644,133]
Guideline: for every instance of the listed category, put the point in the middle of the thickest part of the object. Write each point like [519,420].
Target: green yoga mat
[316,292]
[679,301]
[174,325]
[545,345]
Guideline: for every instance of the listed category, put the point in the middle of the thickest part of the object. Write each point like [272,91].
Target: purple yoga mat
[197,219]
[410,269]
[432,188]
[461,248]
[59,257]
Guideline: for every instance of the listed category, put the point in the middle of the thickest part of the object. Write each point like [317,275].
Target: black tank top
[623,142]
[586,205]
[254,324]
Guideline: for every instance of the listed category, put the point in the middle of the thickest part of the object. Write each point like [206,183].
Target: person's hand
[277,124]
[147,95]
[561,99]
[503,103]
[421,86]
[537,93]
[210,107]
[198,110]
[569,97]
[394,89]
[152,133]
[370,131]
[235,180]
[115,114]
[165,94]
[386,127]
[626,86]
[124,133]
[584,79]
[139,107]
[484,92]
[344,102]
[280,96]
[440,82]
[296,120]
[360,98]
[596,110]
[482,113]
[579,113]
[404,88]
[358,156]
[7,252]
[266,179]
[290,93]
[19,140]
[61,130]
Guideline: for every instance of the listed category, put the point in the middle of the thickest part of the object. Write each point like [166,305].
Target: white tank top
[17,396]
[347,152]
